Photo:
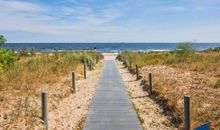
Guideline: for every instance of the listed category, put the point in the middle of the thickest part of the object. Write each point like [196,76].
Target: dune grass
[22,81]
[205,100]
[43,68]
[202,62]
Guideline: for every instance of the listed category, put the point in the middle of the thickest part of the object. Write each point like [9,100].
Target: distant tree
[2,40]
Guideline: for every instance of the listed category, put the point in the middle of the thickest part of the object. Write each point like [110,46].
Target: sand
[71,112]
[67,111]
[151,114]
[109,56]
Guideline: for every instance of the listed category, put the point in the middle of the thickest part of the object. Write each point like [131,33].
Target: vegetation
[22,81]
[184,50]
[185,58]
[217,49]
[7,56]
[203,65]
[2,40]
[24,51]
[27,52]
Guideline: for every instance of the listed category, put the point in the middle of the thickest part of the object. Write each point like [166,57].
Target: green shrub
[2,40]
[7,57]
[88,60]
[184,50]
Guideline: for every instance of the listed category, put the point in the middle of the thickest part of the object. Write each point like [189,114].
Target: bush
[24,51]
[2,40]
[27,51]
[87,60]
[7,57]
[216,49]
[184,50]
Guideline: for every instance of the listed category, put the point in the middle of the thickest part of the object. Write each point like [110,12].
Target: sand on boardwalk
[109,56]
[150,113]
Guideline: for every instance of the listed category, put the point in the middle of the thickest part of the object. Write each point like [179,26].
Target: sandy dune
[150,113]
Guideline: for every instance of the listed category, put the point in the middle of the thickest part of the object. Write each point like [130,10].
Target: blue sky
[110,20]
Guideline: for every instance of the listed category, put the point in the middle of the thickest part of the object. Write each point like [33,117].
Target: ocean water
[106,47]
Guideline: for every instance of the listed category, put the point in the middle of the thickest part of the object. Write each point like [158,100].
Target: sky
[24,21]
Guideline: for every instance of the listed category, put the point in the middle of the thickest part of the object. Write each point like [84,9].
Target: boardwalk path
[111,108]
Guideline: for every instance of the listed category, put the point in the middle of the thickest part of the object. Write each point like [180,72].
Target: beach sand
[150,113]
[109,56]
[67,111]
[71,112]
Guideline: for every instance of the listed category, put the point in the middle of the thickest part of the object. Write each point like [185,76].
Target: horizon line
[106,42]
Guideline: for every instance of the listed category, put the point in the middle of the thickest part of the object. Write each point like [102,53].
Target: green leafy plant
[88,60]
[7,57]
[2,40]
[184,50]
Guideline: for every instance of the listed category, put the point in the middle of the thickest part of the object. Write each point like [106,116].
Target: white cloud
[15,5]
[29,17]
[81,22]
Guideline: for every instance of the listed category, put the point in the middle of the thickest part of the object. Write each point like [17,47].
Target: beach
[161,110]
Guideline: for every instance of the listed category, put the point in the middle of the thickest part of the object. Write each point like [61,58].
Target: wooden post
[95,64]
[74,82]
[90,66]
[130,64]
[44,96]
[123,60]
[126,63]
[187,112]
[84,70]
[97,58]
[137,72]
[150,83]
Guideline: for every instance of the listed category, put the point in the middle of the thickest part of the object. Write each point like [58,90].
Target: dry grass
[206,63]
[22,83]
[173,77]
[149,113]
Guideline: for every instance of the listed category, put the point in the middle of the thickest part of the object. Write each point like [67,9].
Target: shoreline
[105,47]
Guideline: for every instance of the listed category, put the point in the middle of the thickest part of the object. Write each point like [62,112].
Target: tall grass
[204,63]
[21,82]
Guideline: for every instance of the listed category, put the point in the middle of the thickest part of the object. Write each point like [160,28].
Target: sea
[105,47]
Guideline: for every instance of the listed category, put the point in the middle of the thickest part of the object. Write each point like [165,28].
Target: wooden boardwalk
[111,108]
